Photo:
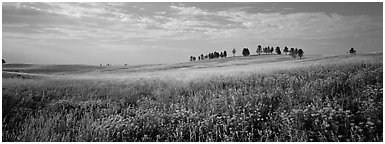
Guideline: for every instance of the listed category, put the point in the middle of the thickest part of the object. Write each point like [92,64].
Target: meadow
[340,102]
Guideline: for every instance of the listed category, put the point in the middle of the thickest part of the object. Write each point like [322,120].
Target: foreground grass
[327,103]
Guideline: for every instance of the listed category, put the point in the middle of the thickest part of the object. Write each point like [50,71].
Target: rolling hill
[187,70]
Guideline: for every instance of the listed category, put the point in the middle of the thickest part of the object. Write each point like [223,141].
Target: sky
[170,32]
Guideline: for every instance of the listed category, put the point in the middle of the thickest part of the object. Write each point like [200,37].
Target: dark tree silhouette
[221,55]
[291,52]
[259,49]
[202,57]
[225,53]
[234,51]
[4,61]
[300,53]
[199,57]
[216,55]
[245,52]
[278,50]
[271,50]
[352,51]
[286,50]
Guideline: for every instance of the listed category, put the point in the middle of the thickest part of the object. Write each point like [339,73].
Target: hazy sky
[148,33]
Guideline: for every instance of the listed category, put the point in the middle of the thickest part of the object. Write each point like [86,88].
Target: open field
[256,98]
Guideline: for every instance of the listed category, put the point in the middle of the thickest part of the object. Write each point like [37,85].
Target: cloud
[110,22]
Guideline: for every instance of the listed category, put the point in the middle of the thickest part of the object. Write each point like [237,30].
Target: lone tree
[234,51]
[286,50]
[352,51]
[300,53]
[245,52]
[4,61]
[259,49]
[278,50]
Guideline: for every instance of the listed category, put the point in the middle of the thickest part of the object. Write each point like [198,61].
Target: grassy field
[258,98]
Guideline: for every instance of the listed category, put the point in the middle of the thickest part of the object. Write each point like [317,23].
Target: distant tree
[245,52]
[291,52]
[286,50]
[4,61]
[267,50]
[259,49]
[191,58]
[271,50]
[216,55]
[278,50]
[295,53]
[100,64]
[202,57]
[199,57]
[221,55]
[225,53]
[234,51]
[300,53]
[352,51]
[194,58]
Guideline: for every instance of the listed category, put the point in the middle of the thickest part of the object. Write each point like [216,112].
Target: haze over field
[148,33]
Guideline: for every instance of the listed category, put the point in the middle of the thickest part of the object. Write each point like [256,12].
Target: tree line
[293,52]
[212,55]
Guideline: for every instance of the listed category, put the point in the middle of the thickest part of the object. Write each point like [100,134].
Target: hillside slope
[187,70]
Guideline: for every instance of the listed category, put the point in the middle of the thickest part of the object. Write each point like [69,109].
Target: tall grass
[326,103]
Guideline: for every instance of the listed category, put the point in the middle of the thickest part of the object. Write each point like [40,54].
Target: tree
[234,51]
[259,49]
[225,53]
[271,50]
[352,51]
[191,58]
[4,61]
[277,50]
[202,57]
[267,50]
[199,57]
[300,53]
[291,52]
[245,52]
[286,50]
[216,55]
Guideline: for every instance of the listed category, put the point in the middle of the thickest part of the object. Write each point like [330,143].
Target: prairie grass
[340,102]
